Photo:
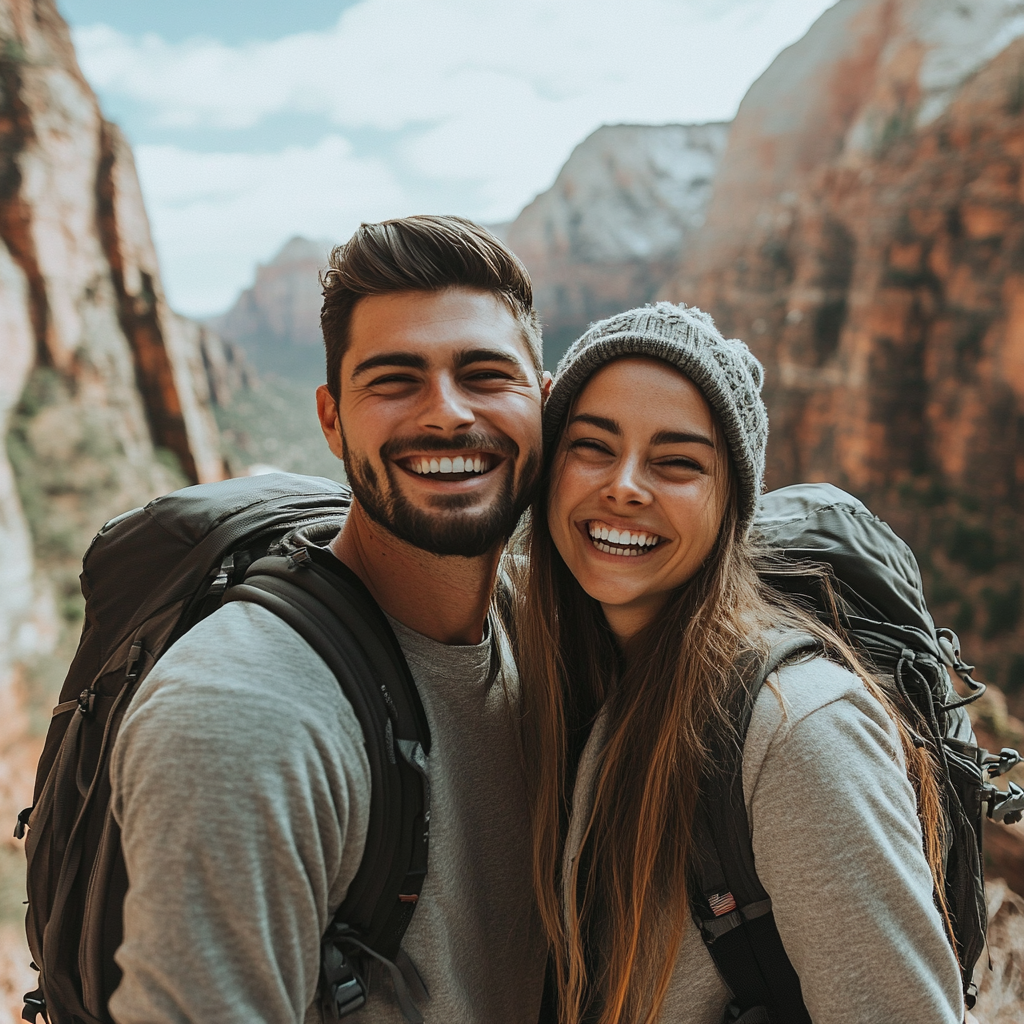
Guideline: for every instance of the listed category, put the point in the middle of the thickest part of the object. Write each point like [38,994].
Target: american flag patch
[721,903]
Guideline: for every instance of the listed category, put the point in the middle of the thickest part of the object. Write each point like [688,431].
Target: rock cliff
[610,230]
[105,394]
[277,320]
[866,237]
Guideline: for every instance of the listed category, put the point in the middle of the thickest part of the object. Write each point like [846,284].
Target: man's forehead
[438,326]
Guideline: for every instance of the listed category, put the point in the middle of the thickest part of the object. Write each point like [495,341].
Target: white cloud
[488,97]
[215,214]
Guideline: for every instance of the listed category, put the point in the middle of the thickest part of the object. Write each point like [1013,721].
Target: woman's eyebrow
[601,422]
[678,437]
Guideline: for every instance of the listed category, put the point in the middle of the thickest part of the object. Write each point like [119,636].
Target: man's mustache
[476,442]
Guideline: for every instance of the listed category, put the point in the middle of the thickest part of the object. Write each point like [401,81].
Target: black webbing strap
[326,604]
[728,902]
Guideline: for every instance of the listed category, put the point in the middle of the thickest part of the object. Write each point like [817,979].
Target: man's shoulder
[242,645]
[241,665]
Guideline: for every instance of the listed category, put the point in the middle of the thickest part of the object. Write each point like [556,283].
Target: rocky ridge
[605,236]
[611,228]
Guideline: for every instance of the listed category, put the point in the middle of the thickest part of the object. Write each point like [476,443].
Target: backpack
[878,582]
[148,577]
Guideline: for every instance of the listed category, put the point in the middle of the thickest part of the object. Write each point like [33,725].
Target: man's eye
[487,375]
[392,378]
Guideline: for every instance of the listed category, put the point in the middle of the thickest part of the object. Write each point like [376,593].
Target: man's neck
[443,597]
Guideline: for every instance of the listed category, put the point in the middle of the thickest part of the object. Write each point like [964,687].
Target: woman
[642,597]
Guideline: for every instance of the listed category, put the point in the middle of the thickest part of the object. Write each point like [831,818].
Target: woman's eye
[681,462]
[588,444]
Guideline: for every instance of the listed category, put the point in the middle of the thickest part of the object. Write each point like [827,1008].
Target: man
[239,778]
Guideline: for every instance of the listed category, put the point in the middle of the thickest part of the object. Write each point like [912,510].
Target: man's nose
[626,485]
[446,407]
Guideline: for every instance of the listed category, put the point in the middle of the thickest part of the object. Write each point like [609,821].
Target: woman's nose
[626,485]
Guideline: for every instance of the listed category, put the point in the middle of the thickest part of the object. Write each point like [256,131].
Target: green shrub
[1015,674]
[963,621]
[1004,609]
[973,546]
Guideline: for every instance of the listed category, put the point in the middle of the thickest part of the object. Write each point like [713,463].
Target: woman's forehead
[639,392]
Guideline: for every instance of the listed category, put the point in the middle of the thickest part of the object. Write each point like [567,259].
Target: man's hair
[425,254]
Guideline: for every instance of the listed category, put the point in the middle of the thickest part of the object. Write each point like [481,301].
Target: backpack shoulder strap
[314,593]
[729,905]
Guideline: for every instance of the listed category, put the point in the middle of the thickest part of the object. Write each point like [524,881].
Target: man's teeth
[460,464]
[626,543]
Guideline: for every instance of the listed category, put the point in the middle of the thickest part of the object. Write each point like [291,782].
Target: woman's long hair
[616,939]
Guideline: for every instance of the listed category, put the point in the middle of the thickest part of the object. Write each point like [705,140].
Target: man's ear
[545,387]
[330,421]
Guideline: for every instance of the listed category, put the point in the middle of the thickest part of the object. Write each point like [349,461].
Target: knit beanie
[725,371]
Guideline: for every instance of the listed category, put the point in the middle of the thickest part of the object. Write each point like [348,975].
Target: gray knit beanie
[726,373]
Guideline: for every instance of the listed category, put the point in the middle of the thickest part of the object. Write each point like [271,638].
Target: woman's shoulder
[805,685]
[811,708]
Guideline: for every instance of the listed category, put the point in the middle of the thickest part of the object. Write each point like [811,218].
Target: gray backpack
[879,583]
[148,577]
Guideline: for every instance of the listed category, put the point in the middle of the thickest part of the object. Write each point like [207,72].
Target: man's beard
[445,531]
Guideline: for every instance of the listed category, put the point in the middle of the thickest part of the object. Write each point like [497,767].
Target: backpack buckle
[35,1004]
[1006,806]
[342,988]
[999,764]
[23,816]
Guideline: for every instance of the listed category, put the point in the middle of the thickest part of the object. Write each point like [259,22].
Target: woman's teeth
[621,542]
[460,464]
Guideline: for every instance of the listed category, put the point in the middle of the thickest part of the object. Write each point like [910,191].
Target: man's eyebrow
[485,355]
[679,437]
[601,422]
[407,359]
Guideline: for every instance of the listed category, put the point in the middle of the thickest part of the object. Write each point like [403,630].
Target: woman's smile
[629,541]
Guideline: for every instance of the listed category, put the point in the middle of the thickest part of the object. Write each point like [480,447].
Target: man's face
[439,421]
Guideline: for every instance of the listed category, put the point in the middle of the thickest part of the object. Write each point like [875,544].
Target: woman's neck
[626,620]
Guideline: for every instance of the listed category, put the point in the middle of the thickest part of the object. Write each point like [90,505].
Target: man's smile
[451,468]
[458,466]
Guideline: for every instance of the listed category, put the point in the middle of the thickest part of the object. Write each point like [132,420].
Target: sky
[255,121]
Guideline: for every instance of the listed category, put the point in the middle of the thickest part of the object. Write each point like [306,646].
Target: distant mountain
[605,236]
[611,229]
[277,320]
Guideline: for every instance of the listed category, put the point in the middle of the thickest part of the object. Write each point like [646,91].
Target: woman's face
[639,488]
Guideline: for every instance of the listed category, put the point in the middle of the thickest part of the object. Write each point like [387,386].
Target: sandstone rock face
[72,218]
[606,235]
[866,237]
[277,321]
[1001,987]
[105,395]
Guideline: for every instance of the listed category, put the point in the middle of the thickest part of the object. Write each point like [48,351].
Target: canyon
[611,229]
[860,224]
[277,320]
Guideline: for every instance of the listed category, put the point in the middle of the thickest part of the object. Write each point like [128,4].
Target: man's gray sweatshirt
[242,789]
